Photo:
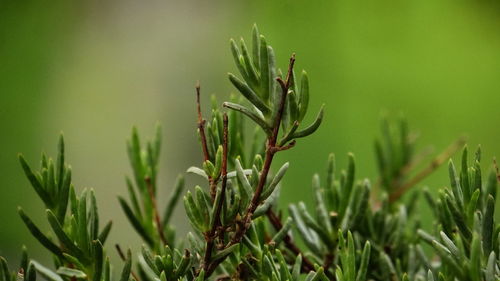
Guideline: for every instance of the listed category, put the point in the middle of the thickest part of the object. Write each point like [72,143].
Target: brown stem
[122,256]
[284,147]
[201,124]
[204,146]
[435,163]
[212,234]
[271,149]
[404,171]
[418,159]
[156,215]
[329,258]
[271,145]
[307,265]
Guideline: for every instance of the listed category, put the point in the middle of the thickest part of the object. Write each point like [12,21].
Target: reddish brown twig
[122,256]
[433,165]
[418,159]
[201,124]
[156,215]
[212,234]
[284,147]
[203,138]
[403,171]
[329,258]
[271,149]
[307,265]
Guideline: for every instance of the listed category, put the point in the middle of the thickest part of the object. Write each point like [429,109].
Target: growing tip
[331,156]
[350,155]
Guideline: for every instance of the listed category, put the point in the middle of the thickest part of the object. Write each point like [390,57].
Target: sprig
[143,210]
[468,233]
[267,93]
[74,220]
[353,231]
[270,95]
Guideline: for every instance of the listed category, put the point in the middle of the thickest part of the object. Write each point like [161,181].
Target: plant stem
[201,124]
[122,256]
[307,265]
[433,165]
[204,146]
[329,259]
[212,234]
[271,149]
[156,215]
[271,146]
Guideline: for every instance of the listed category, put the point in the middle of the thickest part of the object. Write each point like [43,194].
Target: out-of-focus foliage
[78,252]
[87,67]
[400,63]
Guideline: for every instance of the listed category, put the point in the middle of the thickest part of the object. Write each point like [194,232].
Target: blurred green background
[92,69]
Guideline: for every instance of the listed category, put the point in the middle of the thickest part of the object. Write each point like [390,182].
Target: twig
[307,265]
[416,160]
[329,258]
[204,146]
[284,147]
[271,149]
[404,171]
[159,225]
[271,145]
[122,256]
[212,234]
[201,124]
[433,165]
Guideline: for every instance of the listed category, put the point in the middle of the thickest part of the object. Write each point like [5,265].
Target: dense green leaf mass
[357,230]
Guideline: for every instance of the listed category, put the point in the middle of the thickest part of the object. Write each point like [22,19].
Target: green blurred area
[93,69]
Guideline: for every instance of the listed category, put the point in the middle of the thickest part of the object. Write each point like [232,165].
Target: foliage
[359,229]
[74,220]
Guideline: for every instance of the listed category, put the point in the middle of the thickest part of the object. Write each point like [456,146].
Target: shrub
[358,229]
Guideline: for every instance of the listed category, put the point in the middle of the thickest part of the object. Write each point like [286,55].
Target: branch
[212,234]
[159,225]
[329,259]
[433,165]
[201,131]
[307,265]
[122,256]
[271,145]
[271,149]
[201,124]
[284,147]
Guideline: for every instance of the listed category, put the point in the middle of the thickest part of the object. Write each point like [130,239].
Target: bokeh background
[92,69]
